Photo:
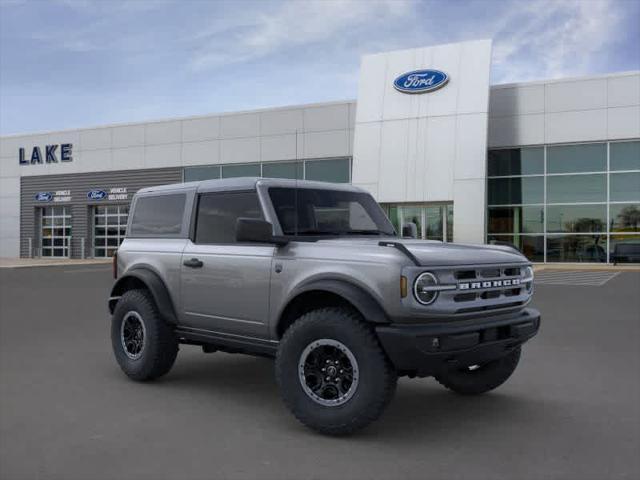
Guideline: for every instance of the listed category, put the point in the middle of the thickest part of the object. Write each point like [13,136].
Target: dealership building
[551,166]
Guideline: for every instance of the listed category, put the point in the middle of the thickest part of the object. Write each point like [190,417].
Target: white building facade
[552,167]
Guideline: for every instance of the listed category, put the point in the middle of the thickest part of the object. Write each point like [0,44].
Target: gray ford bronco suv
[314,275]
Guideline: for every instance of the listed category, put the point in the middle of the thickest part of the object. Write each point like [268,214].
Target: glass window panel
[111,252]
[576,248]
[57,242]
[243,170]
[433,224]
[58,210]
[624,249]
[100,220]
[449,223]
[393,213]
[58,252]
[516,161]
[218,213]
[336,171]
[208,172]
[158,215]
[112,220]
[411,222]
[99,210]
[100,231]
[624,217]
[576,218]
[532,246]
[58,221]
[515,220]
[624,187]
[99,252]
[47,252]
[516,191]
[46,242]
[624,156]
[282,170]
[576,188]
[47,221]
[112,242]
[590,157]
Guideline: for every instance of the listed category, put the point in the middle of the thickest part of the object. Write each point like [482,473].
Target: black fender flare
[154,284]
[362,300]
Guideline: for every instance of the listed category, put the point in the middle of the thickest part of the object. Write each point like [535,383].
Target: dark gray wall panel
[80,184]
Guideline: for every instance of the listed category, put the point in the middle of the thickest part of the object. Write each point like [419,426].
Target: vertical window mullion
[607,233]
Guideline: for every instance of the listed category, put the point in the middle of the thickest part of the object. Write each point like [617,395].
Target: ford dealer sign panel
[420,81]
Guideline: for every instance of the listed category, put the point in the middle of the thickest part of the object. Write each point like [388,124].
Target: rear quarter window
[159,215]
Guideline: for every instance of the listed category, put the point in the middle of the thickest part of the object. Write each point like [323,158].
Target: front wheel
[332,372]
[477,379]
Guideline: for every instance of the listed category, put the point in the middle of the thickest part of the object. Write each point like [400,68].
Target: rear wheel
[332,373]
[478,379]
[145,347]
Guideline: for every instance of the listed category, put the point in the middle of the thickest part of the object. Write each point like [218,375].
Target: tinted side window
[218,212]
[159,215]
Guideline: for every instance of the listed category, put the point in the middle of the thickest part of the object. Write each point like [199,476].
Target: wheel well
[126,284]
[308,301]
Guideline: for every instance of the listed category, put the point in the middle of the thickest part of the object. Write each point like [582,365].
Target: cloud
[288,25]
[549,39]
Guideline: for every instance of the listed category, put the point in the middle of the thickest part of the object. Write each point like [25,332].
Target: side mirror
[255,230]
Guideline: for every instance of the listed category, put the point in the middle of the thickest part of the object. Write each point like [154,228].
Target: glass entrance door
[55,231]
[109,228]
[428,222]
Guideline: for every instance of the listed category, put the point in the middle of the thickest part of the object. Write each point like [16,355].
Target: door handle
[193,263]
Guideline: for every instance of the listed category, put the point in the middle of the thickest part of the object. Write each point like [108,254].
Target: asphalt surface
[571,410]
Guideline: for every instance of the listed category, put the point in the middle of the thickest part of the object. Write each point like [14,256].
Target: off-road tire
[484,379]
[377,377]
[160,346]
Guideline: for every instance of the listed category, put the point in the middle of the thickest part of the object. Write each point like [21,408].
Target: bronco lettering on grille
[510,282]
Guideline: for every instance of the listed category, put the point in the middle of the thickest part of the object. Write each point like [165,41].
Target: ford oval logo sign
[44,196]
[420,81]
[97,195]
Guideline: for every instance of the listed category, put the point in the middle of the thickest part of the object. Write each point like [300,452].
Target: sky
[79,63]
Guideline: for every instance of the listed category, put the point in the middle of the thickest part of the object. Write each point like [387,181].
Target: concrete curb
[39,262]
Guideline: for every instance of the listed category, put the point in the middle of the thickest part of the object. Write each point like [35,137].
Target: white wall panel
[159,156]
[163,132]
[128,158]
[128,136]
[329,117]
[445,100]
[623,122]
[9,247]
[576,95]
[201,153]
[516,130]
[9,146]
[623,90]
[393,161]
[240,125]
[577,126]
[475,65]
[471,146]
[199,129]
[398,105]
[371,88]
[366,153]
[9,187]
[278,122]
[518,100]
[326,144]
[96,160]
[437,182]
[240,150]
[468,212]
[9,167]
[95,138]
[280,147]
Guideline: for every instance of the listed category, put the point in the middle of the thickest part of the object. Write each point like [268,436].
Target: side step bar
[227,342]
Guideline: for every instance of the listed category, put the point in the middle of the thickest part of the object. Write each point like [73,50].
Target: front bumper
[429,349]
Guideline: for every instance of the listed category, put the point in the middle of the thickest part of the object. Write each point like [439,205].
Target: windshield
[307,211]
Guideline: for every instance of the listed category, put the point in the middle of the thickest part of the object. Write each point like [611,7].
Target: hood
[434,253]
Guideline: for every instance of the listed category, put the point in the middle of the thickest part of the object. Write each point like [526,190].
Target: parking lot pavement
[572,409]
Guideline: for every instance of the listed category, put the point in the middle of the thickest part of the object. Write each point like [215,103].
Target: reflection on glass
[624,217]
[591,157]
[336,171]
[624,248]
[244,170]
[576,188]
[532,246]
[515,220]
[516,161]
[412,222]
[515,191]
[434,223]
[624,156]
[576,218]
[576,248]
[208,172]
[282,170]
[449,223]
[625,187]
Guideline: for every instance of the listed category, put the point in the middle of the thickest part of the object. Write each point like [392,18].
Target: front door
[225,284]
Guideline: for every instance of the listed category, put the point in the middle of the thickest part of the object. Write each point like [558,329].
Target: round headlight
[423,288]
[529,278]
